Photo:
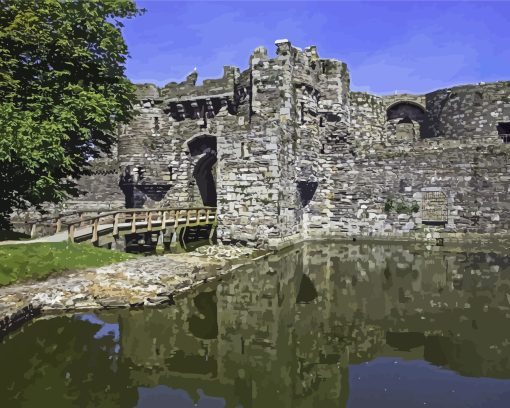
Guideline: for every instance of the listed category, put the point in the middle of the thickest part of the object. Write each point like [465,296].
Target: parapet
[469,112]
[146,91]
[187,90]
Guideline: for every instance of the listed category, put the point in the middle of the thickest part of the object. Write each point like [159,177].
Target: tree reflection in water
[311,326]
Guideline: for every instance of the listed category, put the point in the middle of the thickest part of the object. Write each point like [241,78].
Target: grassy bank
[37,261]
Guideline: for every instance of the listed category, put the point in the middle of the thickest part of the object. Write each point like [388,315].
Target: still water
[318,325]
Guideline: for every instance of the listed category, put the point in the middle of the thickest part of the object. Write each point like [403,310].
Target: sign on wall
[434,207]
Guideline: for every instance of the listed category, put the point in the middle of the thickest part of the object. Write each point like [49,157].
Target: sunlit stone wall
[291,153]
[457,152]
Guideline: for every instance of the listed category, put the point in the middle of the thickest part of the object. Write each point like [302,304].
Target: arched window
[406,119]
[406,110]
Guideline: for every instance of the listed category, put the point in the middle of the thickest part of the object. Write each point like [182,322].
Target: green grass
[39,260]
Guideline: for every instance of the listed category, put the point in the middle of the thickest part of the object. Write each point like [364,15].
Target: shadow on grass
[13,236]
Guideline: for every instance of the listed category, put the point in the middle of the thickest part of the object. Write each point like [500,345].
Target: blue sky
[404,46]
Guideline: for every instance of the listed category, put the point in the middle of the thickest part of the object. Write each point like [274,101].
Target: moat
[316,325]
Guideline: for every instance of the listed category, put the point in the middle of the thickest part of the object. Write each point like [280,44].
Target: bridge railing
[137,219]
[51,224]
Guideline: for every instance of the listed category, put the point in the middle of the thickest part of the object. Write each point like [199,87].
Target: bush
[401,206]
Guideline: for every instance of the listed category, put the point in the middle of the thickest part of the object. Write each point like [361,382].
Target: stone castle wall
[101,188]
[291,152]
[98,192]
[458,154]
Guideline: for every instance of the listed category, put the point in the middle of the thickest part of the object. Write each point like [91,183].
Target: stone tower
[262,145]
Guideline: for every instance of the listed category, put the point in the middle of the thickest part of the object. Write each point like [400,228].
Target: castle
[286,151]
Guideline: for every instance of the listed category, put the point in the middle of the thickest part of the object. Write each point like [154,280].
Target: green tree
[63,93]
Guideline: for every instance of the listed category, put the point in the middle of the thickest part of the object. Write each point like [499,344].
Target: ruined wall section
[154,150]
[286,144]
[469,113]
[247,166]
[369,125]
[368,121]
[467,164]
[349,189]
[100,189]
[210,87]
[194,112]
[144,167]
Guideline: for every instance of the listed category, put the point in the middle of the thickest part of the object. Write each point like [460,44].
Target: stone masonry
[286,151]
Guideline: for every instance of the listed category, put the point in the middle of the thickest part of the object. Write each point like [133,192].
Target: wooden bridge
[106,227]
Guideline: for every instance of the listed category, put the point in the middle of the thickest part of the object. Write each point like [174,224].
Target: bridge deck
[123,222]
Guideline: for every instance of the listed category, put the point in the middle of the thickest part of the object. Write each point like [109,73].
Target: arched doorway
[205,146]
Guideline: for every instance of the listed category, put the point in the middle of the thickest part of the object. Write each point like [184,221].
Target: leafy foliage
[63,92]
[400,206]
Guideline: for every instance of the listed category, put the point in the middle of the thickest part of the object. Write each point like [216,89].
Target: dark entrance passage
[205,180]
[504,131]
[203,171]
[306,191]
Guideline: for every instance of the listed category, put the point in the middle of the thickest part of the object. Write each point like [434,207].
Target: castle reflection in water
[283,331]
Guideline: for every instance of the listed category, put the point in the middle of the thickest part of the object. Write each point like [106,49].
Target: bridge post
[133,222]
[179,236]
[147,238]
[167,240]
[160,243]
[148,220]
[95,227]
[33,230]
[212,233]
[119,244]
[163,221]
[70,232]
[116,224]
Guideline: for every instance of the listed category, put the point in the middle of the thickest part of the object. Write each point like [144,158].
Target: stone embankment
[149,281]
